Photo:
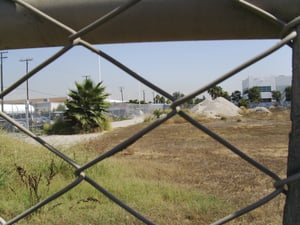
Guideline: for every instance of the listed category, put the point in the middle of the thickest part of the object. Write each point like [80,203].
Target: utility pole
[27,60]
[1,73]
[86,77]
[121,90]
[144,96]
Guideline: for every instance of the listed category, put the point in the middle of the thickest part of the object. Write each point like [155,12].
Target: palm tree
[86,106]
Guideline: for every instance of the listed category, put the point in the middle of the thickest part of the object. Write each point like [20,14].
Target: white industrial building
[266,85]
[17,108]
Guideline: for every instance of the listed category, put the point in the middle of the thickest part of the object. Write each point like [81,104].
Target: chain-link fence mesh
[288,35]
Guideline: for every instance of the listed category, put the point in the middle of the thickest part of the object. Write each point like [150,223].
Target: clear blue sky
[174,66]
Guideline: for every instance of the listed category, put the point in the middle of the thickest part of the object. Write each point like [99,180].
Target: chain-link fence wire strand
[76,39]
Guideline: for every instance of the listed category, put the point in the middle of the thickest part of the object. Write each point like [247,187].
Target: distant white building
[266,85]
[41,104]
[17,108]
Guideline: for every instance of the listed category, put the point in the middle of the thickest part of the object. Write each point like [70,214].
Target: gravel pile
[219,107]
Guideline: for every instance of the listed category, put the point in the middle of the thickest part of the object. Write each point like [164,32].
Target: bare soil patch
[180,153]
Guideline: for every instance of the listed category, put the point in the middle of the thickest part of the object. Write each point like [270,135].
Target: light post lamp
[27,60]
[122,93]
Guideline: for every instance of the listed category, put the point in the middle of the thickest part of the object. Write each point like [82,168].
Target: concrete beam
[148,21]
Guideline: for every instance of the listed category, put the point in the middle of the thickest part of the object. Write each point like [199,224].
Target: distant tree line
[254,95]
[159,99]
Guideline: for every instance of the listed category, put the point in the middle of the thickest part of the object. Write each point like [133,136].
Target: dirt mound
[219,107]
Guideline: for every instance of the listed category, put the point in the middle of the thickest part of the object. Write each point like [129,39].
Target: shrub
[61,127]
[158,112]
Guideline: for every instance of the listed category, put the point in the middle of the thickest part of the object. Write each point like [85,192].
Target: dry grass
[179,153]
[176,174]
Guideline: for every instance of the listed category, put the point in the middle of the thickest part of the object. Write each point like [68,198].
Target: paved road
[68,140]
[126,123]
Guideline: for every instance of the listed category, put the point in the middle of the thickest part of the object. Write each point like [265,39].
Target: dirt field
[178,152]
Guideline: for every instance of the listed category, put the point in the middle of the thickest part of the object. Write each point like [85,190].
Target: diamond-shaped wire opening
[80,170]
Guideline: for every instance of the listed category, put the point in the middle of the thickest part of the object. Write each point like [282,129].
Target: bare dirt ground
[179,152]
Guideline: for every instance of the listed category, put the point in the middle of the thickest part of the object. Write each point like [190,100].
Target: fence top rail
[147,21]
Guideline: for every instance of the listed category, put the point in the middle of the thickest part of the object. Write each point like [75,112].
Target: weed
[158,113]
[33,181]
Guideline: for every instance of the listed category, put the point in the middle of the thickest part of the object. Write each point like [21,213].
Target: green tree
[159,99]
[276,95]
[156,99]
[86,106]
[215,91]
[243,102]
[162,100]
[225,95]
[178,95]
[236,96]
[133,101]
[288,93]
[254,94]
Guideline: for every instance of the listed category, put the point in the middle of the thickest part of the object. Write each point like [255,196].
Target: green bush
[67,127]
[244,102]
[61,127]
[159,112]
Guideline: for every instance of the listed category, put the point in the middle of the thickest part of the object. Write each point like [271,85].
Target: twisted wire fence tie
[76,41]
[82,174]
[289,27]
[177,108]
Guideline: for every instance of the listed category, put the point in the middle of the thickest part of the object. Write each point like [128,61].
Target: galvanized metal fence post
[292,205]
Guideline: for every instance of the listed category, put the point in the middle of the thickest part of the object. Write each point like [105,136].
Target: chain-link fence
[289,35]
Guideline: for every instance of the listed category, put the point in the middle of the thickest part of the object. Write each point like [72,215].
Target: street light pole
[1,73]
[122,95]
[27,60]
